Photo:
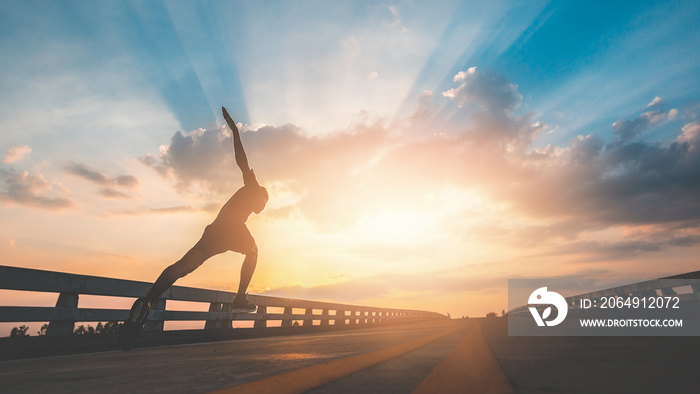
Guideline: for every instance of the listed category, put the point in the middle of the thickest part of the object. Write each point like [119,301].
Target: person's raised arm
[241,158]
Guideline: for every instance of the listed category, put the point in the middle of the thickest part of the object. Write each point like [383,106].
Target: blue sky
[604,60]
[462,142]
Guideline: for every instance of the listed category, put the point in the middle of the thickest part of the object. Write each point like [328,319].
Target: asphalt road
[201,368]
[596,364]
[438,356]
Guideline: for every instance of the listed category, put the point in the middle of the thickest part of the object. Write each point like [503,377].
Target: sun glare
[396,227]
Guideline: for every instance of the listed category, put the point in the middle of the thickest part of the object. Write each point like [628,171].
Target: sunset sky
[417,154]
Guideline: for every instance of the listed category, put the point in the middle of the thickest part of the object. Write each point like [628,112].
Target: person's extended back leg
[130,329]
[188,263]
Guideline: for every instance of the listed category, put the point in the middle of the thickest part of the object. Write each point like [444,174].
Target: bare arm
[241,158]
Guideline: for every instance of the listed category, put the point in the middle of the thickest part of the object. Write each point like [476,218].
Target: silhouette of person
[227,232]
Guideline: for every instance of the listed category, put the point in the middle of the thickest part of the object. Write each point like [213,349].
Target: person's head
[261,201]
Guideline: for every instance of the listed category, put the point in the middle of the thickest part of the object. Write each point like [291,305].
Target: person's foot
[139,311]
[130,330]
[242,305]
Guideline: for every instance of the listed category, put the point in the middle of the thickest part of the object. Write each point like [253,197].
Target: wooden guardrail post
[287,322]
[156,325]
[339,317]
[227,308]
[213,324]
[324,314]
[219,324]
[65,300]
[308,319]
[262,323]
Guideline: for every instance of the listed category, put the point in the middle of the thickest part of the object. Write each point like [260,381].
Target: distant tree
[20,331]
[107,328]
[296,323]
[491,314]
[43,329]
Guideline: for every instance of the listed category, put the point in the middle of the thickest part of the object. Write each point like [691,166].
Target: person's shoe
[139,311]
[242,305]
[131,328]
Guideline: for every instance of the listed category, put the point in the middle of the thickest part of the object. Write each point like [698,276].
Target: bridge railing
[687,284]
[66,313]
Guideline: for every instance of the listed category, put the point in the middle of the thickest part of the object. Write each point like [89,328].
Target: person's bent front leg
[247,270]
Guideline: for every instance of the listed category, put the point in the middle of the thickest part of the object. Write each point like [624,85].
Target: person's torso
[239,206]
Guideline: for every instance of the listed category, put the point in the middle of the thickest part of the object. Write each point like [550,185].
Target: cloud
[608,183]
[425,109]
[208,208]
[314,170]
[627,130]
[124,181]
[490,91]
[602,179]
[626,248]
[108,192]
[672,114]
[690,135]
[493,122]
[397,23]
[202,157]
[621,181]
[16,153]
[33,190]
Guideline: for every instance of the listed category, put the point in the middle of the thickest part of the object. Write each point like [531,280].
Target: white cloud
[630,129]
[16,153]
[672,114]
[656,101]
[691,134]
[490,91]
[462,75]
[397,19]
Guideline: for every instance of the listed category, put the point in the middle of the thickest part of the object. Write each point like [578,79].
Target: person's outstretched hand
[228,119]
